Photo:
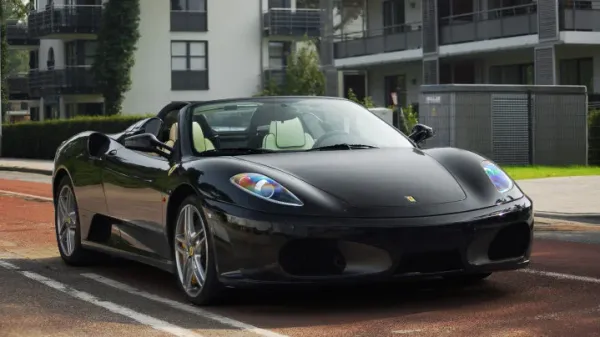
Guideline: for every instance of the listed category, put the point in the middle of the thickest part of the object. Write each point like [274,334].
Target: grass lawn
[531,172]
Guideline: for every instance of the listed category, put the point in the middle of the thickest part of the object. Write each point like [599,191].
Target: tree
[9,9]
[348,9]
[303,75]
[115,55]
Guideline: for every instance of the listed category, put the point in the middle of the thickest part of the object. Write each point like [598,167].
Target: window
[393,16]
[577,72]
[189,65]
[512,74]
[188,56]
[188,5]
[278,53]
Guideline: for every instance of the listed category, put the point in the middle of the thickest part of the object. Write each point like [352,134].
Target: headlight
[500,179]
[265,188]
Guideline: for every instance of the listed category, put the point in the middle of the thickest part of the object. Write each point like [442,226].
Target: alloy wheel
[66,220]
[191,250]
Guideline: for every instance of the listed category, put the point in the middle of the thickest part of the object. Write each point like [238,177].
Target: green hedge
[39,140]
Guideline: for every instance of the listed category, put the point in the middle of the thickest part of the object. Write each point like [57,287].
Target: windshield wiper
[235,151]
[343,146]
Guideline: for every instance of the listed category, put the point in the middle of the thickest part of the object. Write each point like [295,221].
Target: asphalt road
[558,295]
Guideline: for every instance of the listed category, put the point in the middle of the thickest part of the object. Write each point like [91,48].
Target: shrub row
[39,140]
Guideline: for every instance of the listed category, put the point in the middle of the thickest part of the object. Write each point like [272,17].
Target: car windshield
[289,124]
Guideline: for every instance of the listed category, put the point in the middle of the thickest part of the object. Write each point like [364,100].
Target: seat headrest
[174,132]
[288,133]
[198,137]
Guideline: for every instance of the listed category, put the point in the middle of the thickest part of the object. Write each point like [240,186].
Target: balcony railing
[18,87]
[69,80]
[490,24]
[577,15]
[189,21]
[17,34]
[60,20]
[384,40]
[289,22]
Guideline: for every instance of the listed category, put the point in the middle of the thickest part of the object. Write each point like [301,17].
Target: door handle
[112,153]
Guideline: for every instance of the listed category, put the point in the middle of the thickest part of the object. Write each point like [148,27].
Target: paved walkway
[27,165]
[564,197]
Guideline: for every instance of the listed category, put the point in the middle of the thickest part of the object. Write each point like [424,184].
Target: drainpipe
[261,44]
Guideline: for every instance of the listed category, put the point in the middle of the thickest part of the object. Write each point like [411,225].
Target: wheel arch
[177,197]
[61,172]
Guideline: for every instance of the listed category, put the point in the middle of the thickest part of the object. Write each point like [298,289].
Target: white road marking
[562,276]
[8,265]
[182,306]
[112,307]
[406,332]
[26,196]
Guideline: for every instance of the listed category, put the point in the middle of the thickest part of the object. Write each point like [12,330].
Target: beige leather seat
[200,143]
[287,135]
[173,134]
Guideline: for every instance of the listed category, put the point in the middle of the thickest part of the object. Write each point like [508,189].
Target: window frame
[187,6]
[188,57]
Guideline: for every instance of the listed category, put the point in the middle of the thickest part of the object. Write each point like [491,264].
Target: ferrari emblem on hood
[410,198]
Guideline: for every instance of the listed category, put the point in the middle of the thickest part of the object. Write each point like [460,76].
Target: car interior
[268,126]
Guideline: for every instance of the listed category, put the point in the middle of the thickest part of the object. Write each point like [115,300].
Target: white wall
[234,47]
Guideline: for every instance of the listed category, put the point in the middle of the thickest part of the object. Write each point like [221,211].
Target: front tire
[67,226]
[193,251]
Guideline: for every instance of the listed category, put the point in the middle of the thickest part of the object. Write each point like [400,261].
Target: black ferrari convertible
[285,190]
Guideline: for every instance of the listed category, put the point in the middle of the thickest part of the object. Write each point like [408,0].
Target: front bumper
[255,247]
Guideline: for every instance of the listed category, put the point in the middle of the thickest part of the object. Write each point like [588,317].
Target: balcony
[188,21]
[65,22]
[18,87]
[583,16]
[488,25]
[72,80]
[407,36]
[17,35]
[289,22]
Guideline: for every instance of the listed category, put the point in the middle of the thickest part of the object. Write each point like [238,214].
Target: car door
[134,186]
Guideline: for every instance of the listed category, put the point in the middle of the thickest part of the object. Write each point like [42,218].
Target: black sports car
[285,190]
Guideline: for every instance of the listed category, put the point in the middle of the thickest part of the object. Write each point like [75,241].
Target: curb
[26,170]
[25,196]
[571,217]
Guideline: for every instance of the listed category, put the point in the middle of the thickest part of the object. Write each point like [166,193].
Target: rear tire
[193,254]
[67,226]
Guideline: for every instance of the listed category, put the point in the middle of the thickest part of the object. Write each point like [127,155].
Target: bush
[39,140]
[594,137]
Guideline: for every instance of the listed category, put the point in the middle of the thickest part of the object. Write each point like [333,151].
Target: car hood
[370,177]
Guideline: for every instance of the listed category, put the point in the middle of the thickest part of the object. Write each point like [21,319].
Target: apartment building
[407,43]
[188,50]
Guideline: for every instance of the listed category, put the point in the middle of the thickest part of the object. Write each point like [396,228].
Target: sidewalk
[27,165]
[568,198]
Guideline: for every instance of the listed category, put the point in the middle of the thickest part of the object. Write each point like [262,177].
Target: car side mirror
[146,142]
[421,133]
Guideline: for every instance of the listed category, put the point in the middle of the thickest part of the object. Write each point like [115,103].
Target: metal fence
[511,124]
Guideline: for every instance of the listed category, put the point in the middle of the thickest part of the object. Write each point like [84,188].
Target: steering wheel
[328,135]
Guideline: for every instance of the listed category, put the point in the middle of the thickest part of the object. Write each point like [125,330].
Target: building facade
[188,50]
[406,43]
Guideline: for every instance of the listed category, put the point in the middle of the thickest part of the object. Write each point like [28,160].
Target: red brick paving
[27,187]
[508,304]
